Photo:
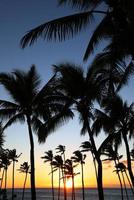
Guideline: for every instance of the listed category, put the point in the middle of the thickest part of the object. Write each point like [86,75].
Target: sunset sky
[16,18]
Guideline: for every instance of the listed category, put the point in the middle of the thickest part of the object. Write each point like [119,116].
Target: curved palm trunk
[33,190]
[99,162]
[122,197]
[82,178]
[13,181]
[129,166]
[24,187]
[52,181]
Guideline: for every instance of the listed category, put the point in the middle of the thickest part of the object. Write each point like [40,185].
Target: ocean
[90,194]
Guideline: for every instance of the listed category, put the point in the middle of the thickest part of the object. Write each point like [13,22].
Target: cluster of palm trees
[72,90]
[65,169]
[68,92]
[6,158]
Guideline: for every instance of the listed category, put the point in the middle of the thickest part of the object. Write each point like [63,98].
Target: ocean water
[90,194]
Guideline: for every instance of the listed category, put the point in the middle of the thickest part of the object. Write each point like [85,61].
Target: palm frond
[44,129]
[129,71]
[103,30]
[80,4]
[58,29]
[16,118]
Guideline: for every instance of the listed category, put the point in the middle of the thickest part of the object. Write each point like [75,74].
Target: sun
[69,183]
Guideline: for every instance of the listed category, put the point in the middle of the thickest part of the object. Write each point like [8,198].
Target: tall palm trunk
[129,166]
[5,179]
[59,186]
[82,178]
[73,189]
[122,197]
[24,186]
[13,181]
[64,179]
[99,162]
[64,185]
[52,181]
[33,190]
[2,178]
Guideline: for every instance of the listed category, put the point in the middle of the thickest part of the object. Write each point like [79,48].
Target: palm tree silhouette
[80,158]
[69,173]
[13,157]
[24,168]
[81,90]
[61,149]
[120,167]
[113,155]
[48,157]
[4,157]
[58,165]
[28,104]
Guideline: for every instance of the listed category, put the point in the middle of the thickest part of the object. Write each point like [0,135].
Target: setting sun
[69,183]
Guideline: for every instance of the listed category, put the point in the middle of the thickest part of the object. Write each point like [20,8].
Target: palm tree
[24,168]
[13,157]
[69,173]
[48,157]
[116,21]
[80,158]
[120,167]
[58,165]
[61,149]
[28,104]
[4,157]
[81,91]
[112,154]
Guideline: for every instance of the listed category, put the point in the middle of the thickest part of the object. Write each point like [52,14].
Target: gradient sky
[16,18]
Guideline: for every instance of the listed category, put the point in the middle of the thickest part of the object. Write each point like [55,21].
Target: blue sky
[16,18]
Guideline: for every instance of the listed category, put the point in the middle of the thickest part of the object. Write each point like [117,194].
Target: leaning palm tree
[48,157]
[14,158]
[80,158]
[24,168]
[29,104]
[61,149]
